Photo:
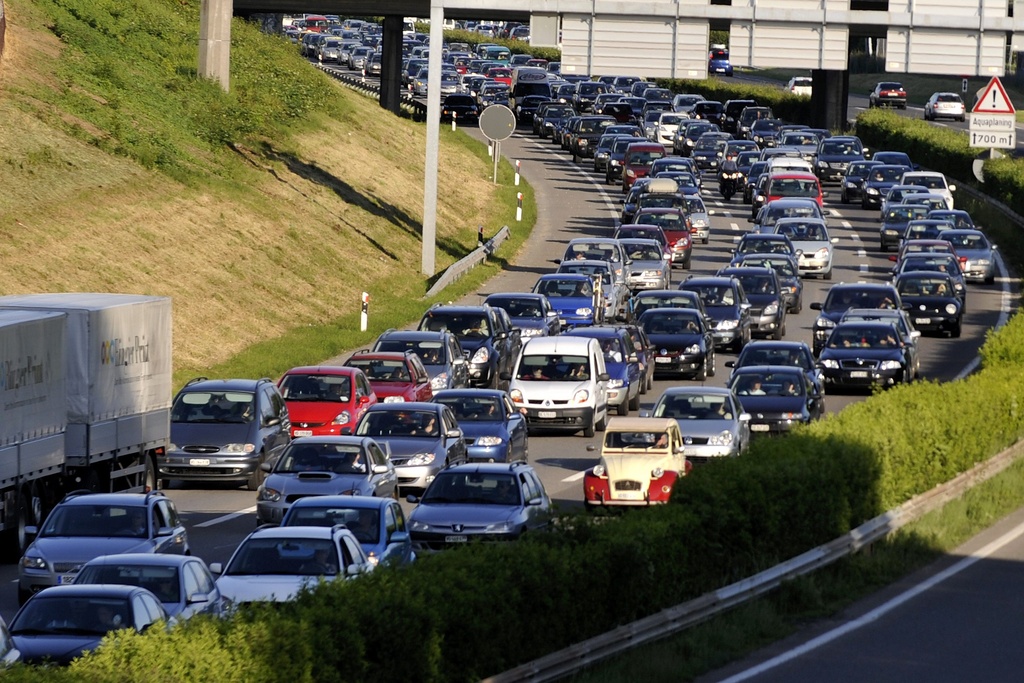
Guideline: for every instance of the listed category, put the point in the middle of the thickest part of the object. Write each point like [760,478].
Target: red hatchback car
[322,400]
[395,376]
[638,160]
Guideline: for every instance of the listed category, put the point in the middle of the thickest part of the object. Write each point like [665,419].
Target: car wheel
[256,478]
[603,422]
[712,362]
[883,247]
[955,332]
[623,408]
[702,374]
[989,279]
[589,431]
[634,403]
[706,240]
[843,199]
[780,332]
[23,596]
[828,274]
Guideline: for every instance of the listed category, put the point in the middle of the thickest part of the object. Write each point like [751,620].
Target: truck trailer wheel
[150,483]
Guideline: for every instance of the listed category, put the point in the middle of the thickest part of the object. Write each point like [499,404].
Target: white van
[562,383]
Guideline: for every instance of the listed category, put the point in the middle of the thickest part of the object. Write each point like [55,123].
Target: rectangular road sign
[995,140]
[990,123]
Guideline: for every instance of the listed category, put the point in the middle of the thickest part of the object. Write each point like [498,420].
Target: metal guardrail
[463,265]
[415,108]
[675,619]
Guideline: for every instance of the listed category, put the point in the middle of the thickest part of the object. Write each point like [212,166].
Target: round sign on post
[497,122]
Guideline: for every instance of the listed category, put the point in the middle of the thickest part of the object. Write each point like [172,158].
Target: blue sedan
[571,295]
[492,426]
[377,523]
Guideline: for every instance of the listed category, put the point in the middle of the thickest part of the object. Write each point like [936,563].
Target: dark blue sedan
[681,340]
[492,426]
[532,313]
[571,295]
[777,397]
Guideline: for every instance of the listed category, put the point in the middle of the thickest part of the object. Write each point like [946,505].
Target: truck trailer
[85,397]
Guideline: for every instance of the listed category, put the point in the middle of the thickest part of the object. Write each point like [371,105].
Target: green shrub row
[517,47]
[936,147]
[473,612]
[785,105]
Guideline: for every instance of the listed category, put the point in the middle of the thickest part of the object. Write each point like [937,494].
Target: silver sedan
[979,252]
[651,267]
[711,419]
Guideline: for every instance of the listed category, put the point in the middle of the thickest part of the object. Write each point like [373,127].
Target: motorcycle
[728,184]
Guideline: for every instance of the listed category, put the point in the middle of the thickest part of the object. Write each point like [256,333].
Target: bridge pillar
[391,64]
[829,95]
[215,41]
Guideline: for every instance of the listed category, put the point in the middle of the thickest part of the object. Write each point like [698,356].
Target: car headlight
[723,439]
[439,382]
[581,396]
[699,223]
[630,173]
[824,322]
[869,190]
[657,473]
[583,142]
[830,363]
[499,528]
[850,183]
[420,459]
[692,348]
[268,495]
[584,311]
[238,448]
[489,441]
[418,526]
[951,309]
[598,470]
[33,562]
[822,164]
[615,162]
[516,395]
[890,365]
[758,138]
[772,308]
[727,324]
[342,418]
[821,254]
[394,399]
[614,383]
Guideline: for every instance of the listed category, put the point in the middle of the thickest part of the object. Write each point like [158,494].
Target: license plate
[922,321]
[65,579]
[629,495]
[759,428]
[456,539]
[662,360]
[858,373]
[303,432]
[199,462]
[547,414]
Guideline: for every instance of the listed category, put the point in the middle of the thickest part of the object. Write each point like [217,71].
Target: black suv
[488,339]
[440,352]
[223,430]
[844,296]
[731,113]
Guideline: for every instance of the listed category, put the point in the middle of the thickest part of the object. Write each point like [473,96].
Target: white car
[812,242]
[274,564]
[800,85]
[933,180]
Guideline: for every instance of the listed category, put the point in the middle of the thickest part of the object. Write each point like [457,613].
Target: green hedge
[939,148]
[517,47]
[785,105]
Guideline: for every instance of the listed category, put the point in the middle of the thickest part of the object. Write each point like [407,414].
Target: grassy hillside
[263,212]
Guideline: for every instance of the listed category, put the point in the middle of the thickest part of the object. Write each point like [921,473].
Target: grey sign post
[497,123]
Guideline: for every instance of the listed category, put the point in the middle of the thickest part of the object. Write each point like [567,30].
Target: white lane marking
[575,477]
[734,226]
[847,224]
[861,253]
[1005,308]
[881,610]
[226,518]
[864,268]
[834,213]
[856,237]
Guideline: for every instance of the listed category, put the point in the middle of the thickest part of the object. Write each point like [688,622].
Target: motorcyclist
[726,183]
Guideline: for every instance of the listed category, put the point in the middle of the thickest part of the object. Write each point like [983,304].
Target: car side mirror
[398,538]
[346,431]
[216,568]
[816,306]
[835,240]
[380,469]
[952,188]
[506,376]
[266,466]
[363,400]
[744,417]
[272,421]
[412,499]
[352,570]
[454,434]
[198,598]
[31,531]
[603,377]
[164,531]
[730,363]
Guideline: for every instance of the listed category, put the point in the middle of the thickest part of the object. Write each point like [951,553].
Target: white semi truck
[85,397]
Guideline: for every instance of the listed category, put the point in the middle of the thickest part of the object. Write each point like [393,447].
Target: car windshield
[644,302]
[553,368]
[695,204]
[967,240]
[213,406]
[887,174]
[851,335]
[316,388]
[842,299]
[284,556]
[644,158]
[768,384]
[669,221]
[636,441]
[594,251]
[322,457]
[760,246]
[802,232]
[904,213]
[382,370]
[518,308]
[757,284]
[473,488]
[72,615]
[161,580]
[594,126]
[588,269]
[923,285]
[659,201]
[682,321]
[430,351]
[839,148]
[96,521]
[775,356]
[416,423]
[364,523]
[694,407]
[461,324]
[644,252]
[474,409]
[555,288]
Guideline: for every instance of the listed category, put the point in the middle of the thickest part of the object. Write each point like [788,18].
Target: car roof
[91,589]
[364,502]
[489,467]
[404,405]
[640,424]
[203,384]
[293,532]
[469,393]
[594,331]
[323,370]
[697,389]
[149,559]
[717,280]
[565,276]
[85,498]
[759,369]
[557,344]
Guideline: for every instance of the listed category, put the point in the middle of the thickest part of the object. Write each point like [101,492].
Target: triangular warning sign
[993,100]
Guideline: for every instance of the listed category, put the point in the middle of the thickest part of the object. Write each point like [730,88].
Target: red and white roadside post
[517,173]
[364,310]
[519,206]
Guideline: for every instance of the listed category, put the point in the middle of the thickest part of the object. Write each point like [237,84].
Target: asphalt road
[572,202]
